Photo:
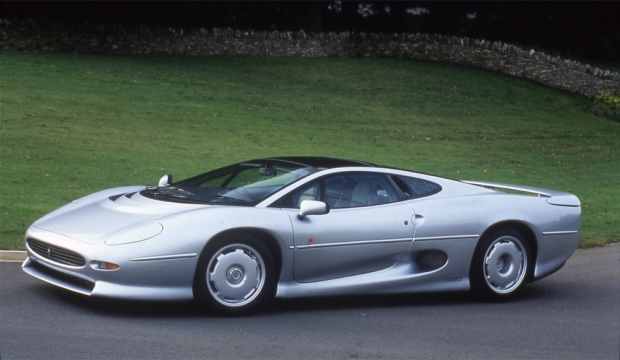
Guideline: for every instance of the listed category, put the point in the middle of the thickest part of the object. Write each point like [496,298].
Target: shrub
[607,101]
[606,106]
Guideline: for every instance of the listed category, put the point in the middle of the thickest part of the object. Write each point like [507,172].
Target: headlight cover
[135,233]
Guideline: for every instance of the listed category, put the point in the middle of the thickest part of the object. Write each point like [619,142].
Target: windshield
[240,184]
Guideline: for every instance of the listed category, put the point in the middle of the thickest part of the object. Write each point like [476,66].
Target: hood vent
[113,198]
[128,195]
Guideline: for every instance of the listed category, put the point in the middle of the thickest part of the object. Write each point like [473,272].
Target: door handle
[417,219]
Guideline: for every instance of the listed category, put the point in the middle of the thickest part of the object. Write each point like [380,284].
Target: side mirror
[312,207]
[165,180]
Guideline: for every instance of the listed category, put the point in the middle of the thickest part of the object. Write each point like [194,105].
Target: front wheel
[234,276]
[501,264]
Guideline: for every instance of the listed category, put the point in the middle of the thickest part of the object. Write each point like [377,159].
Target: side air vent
[431,259]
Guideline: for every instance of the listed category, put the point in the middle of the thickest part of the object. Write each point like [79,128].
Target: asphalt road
[573,314]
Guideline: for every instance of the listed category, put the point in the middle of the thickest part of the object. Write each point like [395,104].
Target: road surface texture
[573,314]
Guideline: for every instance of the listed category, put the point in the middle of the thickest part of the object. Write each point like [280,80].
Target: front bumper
[156,279]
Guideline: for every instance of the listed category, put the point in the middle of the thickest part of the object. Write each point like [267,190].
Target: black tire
[241,275]
[501,266]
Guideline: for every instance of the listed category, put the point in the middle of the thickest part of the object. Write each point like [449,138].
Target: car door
[366,229]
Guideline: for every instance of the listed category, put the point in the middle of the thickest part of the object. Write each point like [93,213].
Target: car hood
[131,217]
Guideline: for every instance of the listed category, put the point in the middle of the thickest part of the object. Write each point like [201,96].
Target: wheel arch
[521,227]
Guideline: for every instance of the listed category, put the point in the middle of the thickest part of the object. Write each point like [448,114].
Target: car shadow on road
[118,307]
[189,309]
[369,301]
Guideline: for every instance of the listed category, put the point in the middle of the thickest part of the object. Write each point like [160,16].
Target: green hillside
[75,124]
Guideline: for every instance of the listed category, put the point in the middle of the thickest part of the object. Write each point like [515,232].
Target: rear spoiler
[554,197]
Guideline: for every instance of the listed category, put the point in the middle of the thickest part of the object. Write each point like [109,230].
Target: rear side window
[415,188]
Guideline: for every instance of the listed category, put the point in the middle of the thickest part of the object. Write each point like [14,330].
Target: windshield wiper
[188,196]
[171,191]
[222,197]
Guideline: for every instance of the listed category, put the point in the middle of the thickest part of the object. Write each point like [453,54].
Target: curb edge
[13,255]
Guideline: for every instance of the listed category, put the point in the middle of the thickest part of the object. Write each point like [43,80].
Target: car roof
[322,162]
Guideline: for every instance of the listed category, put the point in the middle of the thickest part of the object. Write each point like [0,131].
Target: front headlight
[135,233]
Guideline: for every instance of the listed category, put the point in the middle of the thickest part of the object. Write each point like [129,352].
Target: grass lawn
[75,124]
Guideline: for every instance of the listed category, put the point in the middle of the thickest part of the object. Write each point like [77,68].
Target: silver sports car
[303,226]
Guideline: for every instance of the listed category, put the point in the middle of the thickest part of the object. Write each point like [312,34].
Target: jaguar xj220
[303,226]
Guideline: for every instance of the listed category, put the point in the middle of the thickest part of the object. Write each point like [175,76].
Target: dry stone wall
[569,75]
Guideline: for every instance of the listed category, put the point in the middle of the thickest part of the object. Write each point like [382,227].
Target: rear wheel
[235,275]
[501,264]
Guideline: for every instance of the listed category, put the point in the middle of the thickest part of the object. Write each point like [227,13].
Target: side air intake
[431,259]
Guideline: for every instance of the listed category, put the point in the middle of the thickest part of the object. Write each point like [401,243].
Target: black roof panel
[324,162]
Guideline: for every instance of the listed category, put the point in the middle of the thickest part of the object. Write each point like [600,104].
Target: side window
[417,187]
[308,192]
[350,190]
